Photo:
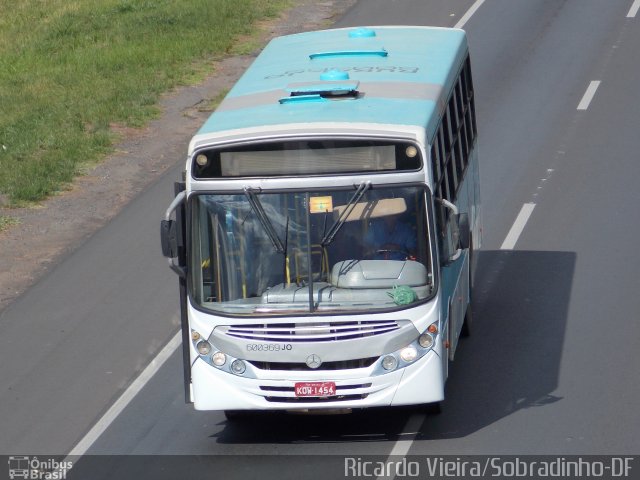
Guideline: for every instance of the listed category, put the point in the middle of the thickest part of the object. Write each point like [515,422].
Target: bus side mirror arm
[169,235]
[460,230]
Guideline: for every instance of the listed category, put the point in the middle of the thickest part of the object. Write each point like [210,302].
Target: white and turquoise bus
[324,230]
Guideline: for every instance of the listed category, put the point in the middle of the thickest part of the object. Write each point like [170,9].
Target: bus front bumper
[419,383]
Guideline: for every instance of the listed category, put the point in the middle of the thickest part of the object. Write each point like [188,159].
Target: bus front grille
[338,365]
[310,332]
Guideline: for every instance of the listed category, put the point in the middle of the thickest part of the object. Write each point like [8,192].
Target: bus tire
[236,416]
[434,408]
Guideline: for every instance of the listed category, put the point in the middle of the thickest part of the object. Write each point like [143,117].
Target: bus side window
[470,98]
[462,131]
[447,155]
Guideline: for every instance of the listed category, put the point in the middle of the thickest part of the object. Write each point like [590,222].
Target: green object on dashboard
[402,295]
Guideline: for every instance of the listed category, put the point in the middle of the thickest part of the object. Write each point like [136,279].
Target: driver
[391,239]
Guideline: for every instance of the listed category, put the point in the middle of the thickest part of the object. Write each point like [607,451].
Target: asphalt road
[552,366]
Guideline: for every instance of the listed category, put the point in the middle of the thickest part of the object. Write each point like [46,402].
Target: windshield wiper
[328,238]
[256,206]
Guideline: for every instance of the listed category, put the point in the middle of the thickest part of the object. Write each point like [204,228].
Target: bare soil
[47,233]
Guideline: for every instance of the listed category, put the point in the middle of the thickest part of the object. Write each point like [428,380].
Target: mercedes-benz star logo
[313,361]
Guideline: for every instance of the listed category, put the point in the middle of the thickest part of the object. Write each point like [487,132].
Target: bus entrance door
[458,306]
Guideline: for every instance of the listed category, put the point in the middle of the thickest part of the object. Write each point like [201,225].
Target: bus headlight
[204,348]
[211,354]
[426,340]
[218,359]
[238,367]
[389,362]
[409,354]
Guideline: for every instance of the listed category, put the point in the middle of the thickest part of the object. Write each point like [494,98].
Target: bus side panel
[455,298]
[475,217]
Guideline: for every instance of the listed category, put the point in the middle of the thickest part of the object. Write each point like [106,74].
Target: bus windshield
[361,249]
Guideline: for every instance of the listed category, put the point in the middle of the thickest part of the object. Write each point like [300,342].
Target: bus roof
[378,75]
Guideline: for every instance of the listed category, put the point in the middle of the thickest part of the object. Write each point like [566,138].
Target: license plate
[315,389]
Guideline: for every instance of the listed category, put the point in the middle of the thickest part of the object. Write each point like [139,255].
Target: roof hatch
[334,84]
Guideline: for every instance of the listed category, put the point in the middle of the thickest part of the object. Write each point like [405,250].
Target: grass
[69,70]
[6,222]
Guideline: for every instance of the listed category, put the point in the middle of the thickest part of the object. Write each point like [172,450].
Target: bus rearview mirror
[168,238]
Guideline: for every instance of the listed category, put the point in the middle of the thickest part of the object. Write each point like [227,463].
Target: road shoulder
[46,234]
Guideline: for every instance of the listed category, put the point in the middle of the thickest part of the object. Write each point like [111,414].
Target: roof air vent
[362,32]
[381,52]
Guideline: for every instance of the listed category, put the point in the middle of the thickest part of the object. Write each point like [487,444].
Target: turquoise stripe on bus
[390,90]
[395,112]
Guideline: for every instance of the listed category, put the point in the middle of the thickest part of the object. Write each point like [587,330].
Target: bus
[325,226]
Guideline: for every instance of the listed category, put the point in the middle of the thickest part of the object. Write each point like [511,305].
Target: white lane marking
[465,18]
[401,447]
[634,9]
[129,394]
[518,226]
[588,95]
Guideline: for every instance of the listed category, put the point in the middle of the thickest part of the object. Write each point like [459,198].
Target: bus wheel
[236,416]
[434,408]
